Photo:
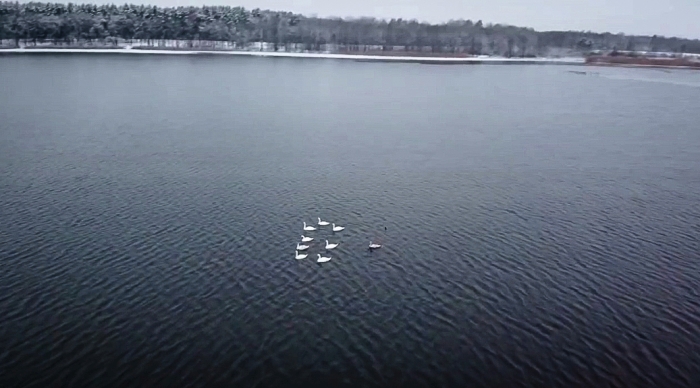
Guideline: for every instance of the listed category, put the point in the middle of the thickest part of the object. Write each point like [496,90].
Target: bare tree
[33,23]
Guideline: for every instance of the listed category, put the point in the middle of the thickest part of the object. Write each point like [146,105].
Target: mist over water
[541,226]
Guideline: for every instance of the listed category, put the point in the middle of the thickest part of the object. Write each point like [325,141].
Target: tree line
[66,24]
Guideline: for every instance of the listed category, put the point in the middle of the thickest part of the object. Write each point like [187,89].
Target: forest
[29,24]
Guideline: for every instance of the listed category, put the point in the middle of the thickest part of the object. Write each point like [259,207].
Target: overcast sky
[662,17]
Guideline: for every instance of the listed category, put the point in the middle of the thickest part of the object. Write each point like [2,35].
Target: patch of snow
[481,59]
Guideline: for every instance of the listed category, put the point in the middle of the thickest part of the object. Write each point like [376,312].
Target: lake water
[540,227]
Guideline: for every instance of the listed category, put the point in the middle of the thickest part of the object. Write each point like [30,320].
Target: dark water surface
[542,227]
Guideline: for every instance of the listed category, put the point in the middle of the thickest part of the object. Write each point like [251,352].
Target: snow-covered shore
[379,58]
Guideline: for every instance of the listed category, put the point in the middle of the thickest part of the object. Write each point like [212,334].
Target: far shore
[356,57]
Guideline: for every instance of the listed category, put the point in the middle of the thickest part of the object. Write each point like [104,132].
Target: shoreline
[356,57]
[683,63]
[430,60]
[642,66]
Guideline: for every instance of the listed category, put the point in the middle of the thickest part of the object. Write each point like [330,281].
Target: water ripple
[546,247]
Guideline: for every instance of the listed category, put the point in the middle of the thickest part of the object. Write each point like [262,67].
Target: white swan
[337,228]
[322,259]
[309,228]
[299,256]
[330,246]
[302,247]
[322,223]
[374,246]
[306,239]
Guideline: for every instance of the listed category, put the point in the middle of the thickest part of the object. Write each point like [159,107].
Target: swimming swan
[374,246]
[330,246]
[306,239]
[337,228]
[322,223]
[309,228]
[302,247]
[299,256]
[322,259]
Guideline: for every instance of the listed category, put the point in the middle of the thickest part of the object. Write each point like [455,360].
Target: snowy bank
[374,58]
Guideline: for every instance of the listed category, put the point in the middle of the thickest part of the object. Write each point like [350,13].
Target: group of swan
[310,228]
[328,246]
[306,239]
